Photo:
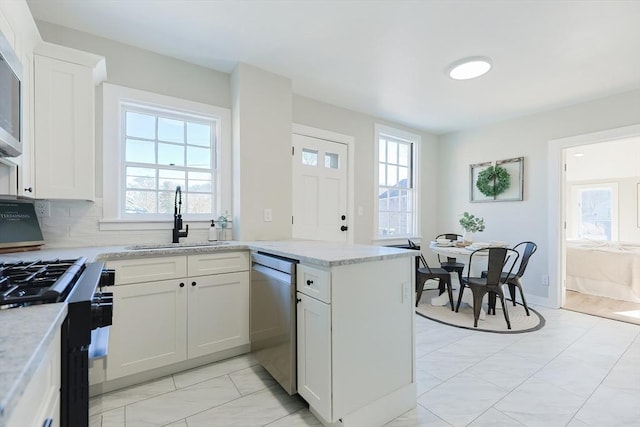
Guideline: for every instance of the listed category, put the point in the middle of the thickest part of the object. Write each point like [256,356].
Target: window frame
[576,212]
[402,136]
[157,113]
[114,97]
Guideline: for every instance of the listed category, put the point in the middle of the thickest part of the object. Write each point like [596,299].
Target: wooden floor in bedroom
[604,307]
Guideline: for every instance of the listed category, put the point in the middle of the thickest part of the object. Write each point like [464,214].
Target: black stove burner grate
[37,282]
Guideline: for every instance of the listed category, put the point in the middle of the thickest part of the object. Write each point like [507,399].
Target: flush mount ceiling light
[469,68]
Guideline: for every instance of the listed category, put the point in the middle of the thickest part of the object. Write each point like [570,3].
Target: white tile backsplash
[76,223]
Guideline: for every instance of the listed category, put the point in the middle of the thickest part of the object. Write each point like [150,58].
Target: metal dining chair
[491,283]
[451,264]
[525,249]
[426,273]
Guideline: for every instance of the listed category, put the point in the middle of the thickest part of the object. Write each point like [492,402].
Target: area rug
[520,322]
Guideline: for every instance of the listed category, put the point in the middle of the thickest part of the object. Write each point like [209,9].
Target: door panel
[319,189]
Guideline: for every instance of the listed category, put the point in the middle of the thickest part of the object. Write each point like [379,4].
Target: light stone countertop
[25,335]
[326,254]
[26,332]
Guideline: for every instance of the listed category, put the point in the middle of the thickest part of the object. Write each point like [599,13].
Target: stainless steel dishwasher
[273,316]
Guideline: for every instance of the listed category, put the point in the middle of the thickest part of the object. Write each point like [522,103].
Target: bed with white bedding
[607,269]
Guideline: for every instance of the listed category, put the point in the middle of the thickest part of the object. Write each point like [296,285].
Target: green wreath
[493,180]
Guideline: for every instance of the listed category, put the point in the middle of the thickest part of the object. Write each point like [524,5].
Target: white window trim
[575,212]
[380,129]
[112,154]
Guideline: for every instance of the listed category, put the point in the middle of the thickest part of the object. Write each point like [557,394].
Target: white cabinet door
[64,130]
[218,307]
[40,400]
[314,353]
[149,327]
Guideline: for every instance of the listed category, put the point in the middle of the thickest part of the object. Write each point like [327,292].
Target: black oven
[85,330]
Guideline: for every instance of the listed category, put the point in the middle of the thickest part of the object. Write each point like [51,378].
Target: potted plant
[471,224]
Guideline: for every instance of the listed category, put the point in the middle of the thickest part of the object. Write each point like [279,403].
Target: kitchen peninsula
[356,367]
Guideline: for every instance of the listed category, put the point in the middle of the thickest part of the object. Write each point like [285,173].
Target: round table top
[453,250]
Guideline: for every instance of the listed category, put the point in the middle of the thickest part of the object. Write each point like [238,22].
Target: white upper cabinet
[64,122]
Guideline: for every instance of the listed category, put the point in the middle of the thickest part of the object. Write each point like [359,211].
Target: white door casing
[557,201]
[320,189]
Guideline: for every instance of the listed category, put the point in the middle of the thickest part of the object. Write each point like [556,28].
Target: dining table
[452,250]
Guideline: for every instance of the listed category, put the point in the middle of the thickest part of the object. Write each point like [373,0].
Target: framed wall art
[499,182]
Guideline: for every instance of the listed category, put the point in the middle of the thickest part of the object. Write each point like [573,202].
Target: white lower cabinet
[218,317]
[160,322]
[40,403]
[314,353]
[149,327]
[355,341]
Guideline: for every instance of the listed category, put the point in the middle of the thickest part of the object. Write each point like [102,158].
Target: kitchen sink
[175,245]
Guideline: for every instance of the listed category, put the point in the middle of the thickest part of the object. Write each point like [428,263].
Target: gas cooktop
[37,282]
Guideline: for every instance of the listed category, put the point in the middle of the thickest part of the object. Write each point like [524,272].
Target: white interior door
[319,189]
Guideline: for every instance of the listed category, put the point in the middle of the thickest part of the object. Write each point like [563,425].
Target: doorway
[321,185]
[562,219]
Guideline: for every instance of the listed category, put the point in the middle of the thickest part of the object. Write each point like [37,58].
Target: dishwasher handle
[278,275]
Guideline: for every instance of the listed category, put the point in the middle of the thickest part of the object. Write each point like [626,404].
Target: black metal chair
[427,273]
[492,283]
[451,264]
[525,249]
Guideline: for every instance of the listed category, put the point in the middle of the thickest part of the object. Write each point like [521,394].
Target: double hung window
[396,196]
[154,143]
[165,150]
[596,212]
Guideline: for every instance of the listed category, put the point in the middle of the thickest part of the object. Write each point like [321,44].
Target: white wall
[527,137]
[145,70]
[262,154]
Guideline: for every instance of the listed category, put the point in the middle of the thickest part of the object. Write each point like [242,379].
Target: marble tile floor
[577,371]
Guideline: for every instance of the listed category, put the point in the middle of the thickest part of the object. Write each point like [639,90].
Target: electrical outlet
[43,208]
[267,215]
[545,280]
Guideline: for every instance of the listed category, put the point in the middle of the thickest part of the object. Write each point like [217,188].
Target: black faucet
[177,217]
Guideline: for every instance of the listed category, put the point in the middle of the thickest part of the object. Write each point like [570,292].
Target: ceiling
[605,160]
[387,58]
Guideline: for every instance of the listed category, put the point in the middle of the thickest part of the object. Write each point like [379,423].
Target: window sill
[390,241]
[116,224]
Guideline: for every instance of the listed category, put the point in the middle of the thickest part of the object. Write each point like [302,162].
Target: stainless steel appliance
[10,101]
[85,331]
[273,317]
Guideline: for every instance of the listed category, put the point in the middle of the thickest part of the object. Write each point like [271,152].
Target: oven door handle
[99,343]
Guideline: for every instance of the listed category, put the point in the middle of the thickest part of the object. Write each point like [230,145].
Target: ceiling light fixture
[578,155]
[469,68]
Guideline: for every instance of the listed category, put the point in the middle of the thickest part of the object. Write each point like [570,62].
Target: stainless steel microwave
[10,101]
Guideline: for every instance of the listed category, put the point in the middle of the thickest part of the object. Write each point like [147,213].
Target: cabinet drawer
[149,269]
[314,282]
[216,263]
